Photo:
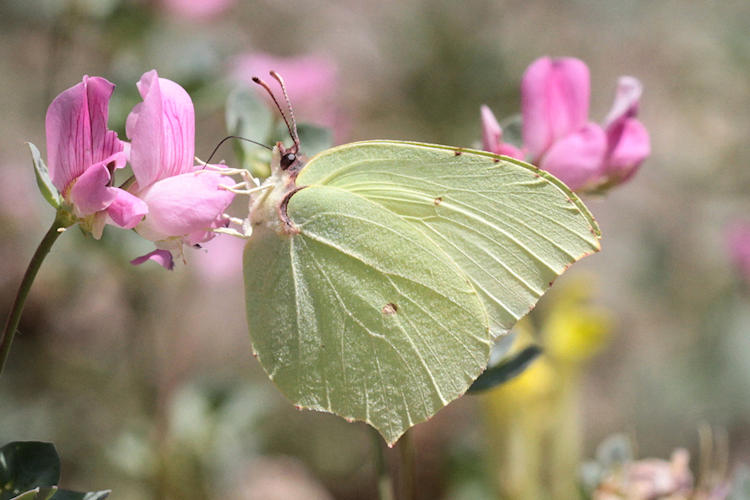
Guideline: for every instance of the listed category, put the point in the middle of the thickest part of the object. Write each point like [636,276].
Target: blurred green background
[144,378]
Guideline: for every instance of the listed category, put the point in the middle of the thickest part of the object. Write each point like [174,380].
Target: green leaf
[247,116]
[398,264]
[41,493]
[48,190]
[506,370]
[74,495]
[313,138]
[25,465]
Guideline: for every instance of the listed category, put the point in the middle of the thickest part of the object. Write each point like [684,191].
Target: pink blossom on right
[559,138]
[738,247]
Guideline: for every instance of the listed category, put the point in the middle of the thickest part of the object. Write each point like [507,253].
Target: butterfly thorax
[269,209]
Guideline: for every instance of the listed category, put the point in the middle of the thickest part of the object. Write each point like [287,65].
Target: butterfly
[379,273]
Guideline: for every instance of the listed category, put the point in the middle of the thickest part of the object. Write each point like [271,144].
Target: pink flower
[311,82]
[559,138]
[185,202]
[628,142]
[82,156]
[492,136]
[738,247]
[197,9]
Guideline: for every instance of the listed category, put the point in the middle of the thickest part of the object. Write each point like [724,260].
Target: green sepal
[48,190]
[25,465]
[314,139]
[505,370]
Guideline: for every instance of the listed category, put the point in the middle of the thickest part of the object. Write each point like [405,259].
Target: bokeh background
[144,378]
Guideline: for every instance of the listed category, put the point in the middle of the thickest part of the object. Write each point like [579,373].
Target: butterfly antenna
[232,137]
[281,111]
[295,136]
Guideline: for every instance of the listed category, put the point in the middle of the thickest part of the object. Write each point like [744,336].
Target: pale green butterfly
[379,273]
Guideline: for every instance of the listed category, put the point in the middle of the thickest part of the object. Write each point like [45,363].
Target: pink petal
[162,130]
[126,210]
[627,97]
[76,128]
[510,150]
[629,144]
[91,191]
[577,159]
[203,235]
[161,257]
[221,259]
[182,205]
[554,102]
[492,136]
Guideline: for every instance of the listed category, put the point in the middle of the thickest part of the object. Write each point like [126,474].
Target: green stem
[407,466]
[385,485]
[23,290]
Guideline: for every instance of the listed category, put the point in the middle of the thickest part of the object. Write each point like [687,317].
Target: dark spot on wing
[457,152]
[438,200]
[390,309]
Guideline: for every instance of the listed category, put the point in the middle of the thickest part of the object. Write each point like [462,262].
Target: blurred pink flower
[492,136]
[559,138]
[185,202]
[312,83]
[197,9]
[220,260]
[82,155]
[738,247]
[650,479]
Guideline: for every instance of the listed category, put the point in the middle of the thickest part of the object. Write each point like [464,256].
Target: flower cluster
[557,133]
[170,200]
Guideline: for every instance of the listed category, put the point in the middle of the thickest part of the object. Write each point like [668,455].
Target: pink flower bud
[492,136]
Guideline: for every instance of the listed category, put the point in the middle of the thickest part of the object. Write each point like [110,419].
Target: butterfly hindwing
[358,313]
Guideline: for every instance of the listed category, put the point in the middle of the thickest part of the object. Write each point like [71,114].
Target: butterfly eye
[287,160]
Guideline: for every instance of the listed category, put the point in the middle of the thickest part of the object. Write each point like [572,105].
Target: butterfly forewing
[509,227]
